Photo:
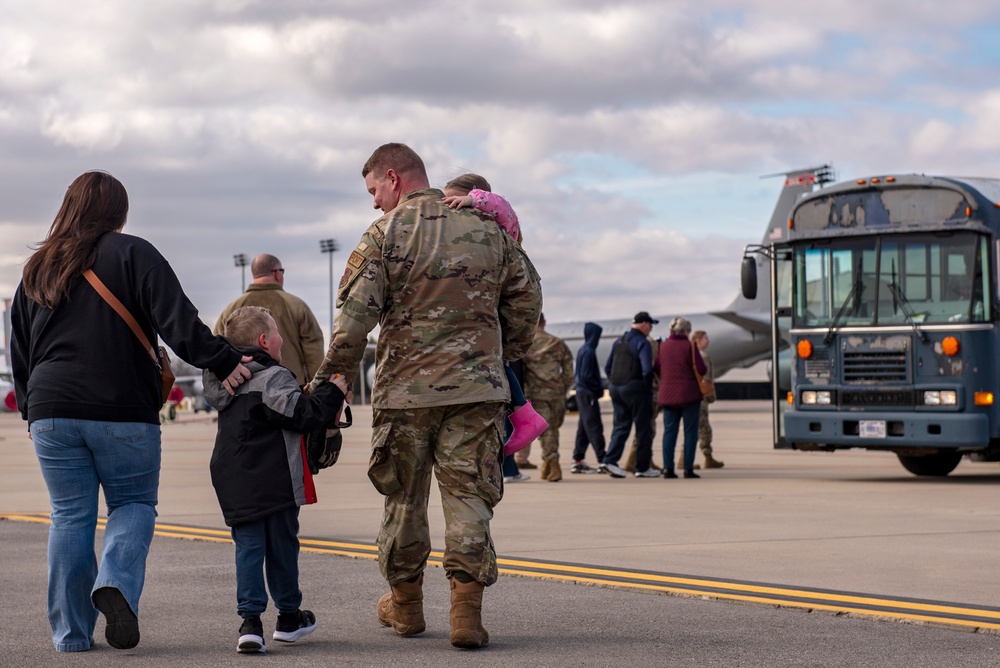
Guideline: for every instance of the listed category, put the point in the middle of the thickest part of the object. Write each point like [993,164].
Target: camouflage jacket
[453,295]
[303,348]
[548,368]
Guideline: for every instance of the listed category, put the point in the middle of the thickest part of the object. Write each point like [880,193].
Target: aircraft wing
[756,323]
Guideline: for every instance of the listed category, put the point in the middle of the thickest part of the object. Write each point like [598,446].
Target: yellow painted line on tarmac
[746,587]
[955,614]
[808,605]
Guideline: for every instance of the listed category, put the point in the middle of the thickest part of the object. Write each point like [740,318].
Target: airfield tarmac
[848,525]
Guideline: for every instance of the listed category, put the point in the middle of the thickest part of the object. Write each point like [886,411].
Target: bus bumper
[901,430]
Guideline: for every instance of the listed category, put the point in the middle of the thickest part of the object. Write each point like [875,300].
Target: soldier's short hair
[468,182]
[245,325]
[395,156]
[264,264]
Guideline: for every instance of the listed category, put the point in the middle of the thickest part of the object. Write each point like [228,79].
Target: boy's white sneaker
[251,637]
[294,625]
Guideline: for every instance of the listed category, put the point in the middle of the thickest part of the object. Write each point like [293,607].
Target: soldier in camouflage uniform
[548,376]
[700,339]
[454,295]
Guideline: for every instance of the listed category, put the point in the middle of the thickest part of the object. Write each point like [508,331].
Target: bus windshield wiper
[904,305]
[856,291]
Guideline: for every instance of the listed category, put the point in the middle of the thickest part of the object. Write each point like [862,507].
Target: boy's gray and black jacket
[257,466]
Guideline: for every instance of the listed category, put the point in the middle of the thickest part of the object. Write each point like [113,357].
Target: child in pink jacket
[473,190]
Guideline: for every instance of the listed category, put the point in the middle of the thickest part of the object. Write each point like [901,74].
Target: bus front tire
[937,464]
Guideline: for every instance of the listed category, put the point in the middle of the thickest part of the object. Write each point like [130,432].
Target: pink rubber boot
[528,425]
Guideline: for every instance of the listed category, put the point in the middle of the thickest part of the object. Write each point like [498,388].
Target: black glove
[323,445]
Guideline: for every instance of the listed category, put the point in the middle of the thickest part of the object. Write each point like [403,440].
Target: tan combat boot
[555,471]
[629,464]
[711,463]
[467,615]
[403,608]
[543,472]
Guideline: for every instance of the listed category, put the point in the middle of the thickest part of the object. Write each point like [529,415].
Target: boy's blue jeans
[77,458]
[269,546]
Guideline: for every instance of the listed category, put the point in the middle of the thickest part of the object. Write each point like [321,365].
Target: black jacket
[258,466]
[82,361]
[588,373]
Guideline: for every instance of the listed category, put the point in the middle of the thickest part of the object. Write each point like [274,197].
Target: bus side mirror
[748,278]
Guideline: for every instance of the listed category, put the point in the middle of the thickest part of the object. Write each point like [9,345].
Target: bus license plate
[872,428]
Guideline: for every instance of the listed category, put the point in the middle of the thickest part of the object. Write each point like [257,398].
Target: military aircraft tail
[798,183]
[741,333]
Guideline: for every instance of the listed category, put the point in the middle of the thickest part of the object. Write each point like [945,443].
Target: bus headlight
[940,398]
[816,397]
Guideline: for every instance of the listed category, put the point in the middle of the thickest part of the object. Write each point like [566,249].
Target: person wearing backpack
[630,378]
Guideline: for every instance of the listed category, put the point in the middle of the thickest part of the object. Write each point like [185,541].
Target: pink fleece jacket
[500,208]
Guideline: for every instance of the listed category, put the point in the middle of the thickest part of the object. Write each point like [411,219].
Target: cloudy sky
[629,136]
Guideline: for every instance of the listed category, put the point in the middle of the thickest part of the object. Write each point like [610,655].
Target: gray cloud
[240,126]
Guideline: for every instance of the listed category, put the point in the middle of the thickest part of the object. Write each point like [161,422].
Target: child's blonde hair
[245,325]
[467,183]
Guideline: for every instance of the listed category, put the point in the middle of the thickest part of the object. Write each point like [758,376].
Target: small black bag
[323,445]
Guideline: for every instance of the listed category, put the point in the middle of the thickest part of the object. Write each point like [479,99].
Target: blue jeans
[516,393]
[507,464]
[671,426]
[79,457]
[271,546]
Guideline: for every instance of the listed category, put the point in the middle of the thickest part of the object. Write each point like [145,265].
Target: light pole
[329,246]
[240,260]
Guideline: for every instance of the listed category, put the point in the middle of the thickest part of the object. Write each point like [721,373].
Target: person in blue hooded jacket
[589,389]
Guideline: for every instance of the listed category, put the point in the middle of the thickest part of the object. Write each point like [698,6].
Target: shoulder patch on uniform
[357,260]
[359,257]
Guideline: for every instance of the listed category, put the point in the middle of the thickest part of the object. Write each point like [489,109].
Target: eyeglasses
[282,270]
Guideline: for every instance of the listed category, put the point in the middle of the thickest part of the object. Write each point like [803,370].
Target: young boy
[261,477]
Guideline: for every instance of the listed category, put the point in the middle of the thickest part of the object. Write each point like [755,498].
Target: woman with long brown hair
[91,395]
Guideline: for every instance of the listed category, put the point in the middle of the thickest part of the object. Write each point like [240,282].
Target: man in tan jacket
[548,376]
[304,346]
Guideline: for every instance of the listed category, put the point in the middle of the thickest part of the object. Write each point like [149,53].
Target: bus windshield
[933,278]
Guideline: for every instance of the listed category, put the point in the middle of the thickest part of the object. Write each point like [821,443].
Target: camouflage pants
[462,445]
[554,412]
[704,431]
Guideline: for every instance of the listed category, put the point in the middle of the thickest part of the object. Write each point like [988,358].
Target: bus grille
[877,398]
[875,367]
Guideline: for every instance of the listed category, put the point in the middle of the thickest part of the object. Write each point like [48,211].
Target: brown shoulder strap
[694,363]
[122,311]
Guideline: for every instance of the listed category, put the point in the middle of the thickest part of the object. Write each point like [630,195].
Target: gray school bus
[885,316]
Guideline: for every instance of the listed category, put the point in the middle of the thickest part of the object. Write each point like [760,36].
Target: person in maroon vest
[679,394]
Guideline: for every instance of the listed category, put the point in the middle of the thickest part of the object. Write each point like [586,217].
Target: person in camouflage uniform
[700,339]
[454,296]
[548,376]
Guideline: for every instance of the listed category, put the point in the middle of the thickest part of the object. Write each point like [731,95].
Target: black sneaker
[122,629]
[294,625]
[251,637]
